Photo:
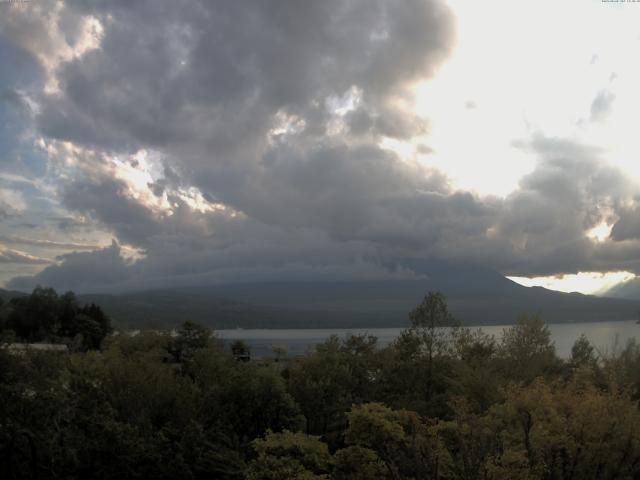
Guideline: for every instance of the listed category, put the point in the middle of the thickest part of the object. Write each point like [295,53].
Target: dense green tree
[429,321]
[34,407]
[582,353]
[339,373]
[401,379]
[408,445]
[417,370]
[44,316]
[429,318]
[359,463]
[241,399]
[288,455]
[470,439]
[88,333]
[321,384]
[190,337]
[146,343]
[35,317]
[623,369]
[526,350]
[360,353]
[568,432]
[475,375]
[68,308]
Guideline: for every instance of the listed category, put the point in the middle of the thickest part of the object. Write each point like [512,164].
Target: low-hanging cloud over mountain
[242,140]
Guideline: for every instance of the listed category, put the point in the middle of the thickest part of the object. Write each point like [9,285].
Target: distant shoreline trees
[45,316]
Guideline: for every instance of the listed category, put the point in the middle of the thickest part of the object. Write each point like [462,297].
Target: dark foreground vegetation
[45,316]
[435,404]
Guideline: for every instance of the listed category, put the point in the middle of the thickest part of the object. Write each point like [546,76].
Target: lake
[605,336]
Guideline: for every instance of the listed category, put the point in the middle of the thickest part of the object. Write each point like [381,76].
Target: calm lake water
[605,336]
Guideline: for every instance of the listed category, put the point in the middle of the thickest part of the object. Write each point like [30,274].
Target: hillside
[629,290]
[7,295]
[476,295]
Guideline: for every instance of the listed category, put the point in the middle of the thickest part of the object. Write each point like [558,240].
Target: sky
[153,144]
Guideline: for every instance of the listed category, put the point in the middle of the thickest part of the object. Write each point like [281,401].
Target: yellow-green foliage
[429,406]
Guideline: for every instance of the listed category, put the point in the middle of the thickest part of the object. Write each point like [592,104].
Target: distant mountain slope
[7,295]
[629,289]
[476,295]
[160,308]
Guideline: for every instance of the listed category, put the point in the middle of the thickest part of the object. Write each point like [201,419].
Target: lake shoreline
[605,336]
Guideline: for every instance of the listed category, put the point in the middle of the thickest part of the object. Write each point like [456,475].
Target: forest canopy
[437,403]
[45,316]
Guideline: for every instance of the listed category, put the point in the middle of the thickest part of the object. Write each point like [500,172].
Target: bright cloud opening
[582,282]
[600,232]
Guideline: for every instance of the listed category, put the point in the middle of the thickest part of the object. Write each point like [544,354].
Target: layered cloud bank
[244,141]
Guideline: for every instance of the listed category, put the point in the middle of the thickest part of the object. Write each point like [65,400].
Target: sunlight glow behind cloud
[582,282]
[504,135]
[536,67]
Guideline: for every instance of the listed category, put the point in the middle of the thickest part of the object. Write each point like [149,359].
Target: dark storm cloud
[336,189]
[105,199]
[628,225]
[78,271]
[273,112]
[539,229]
[543,223]
[215,73]
[207,93]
